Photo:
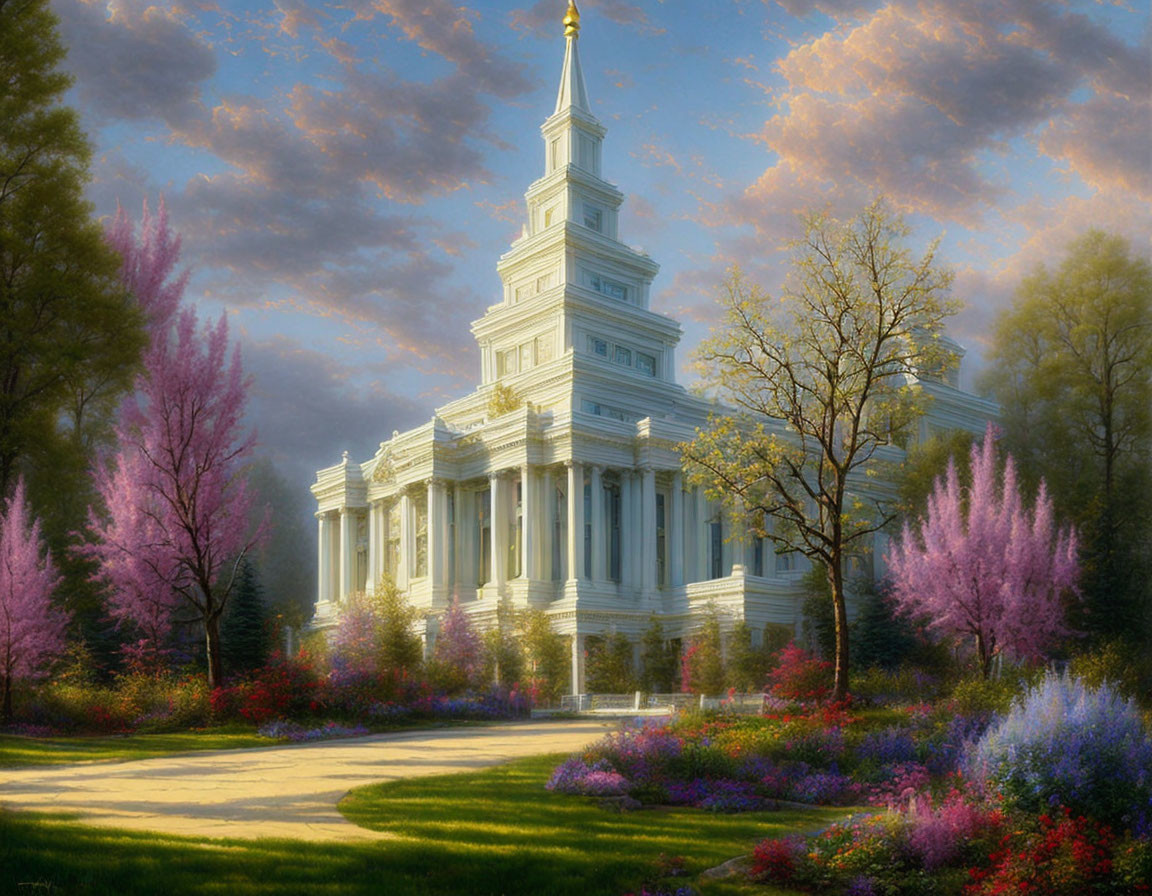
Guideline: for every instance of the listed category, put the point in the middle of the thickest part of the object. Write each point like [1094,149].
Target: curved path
[285,791]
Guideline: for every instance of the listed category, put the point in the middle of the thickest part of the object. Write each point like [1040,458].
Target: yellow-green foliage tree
[816,380]
[1072,369]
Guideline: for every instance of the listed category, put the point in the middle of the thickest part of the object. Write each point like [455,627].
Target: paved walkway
[287,791]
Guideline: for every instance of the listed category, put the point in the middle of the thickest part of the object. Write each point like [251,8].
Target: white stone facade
[478,507]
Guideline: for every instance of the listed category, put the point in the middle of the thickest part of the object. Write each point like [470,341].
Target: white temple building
[557,483]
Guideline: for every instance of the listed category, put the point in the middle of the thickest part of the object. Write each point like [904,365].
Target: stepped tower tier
[573,291]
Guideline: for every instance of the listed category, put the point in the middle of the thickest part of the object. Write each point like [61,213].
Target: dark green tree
[609,666]
[704,670]
[70,336]
[658,660]
[244,631]
[883,638]
[286,560]
[747,665]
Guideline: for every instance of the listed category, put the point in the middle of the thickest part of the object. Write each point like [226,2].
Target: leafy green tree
[609,667]
[286,559]
[244,631]
[1071,364]
[69,334]
[503,658]
[546,658]
[702,667]
[658,660]
[818,382]
[747,665]
[882,638]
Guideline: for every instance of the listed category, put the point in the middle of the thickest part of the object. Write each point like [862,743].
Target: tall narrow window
[451,547]
[559,531]
[392,548]
[716,549]
[593,217]
[484,536]
[587,530]
[758,556]
[420,511]
[554,155]
[516,535]
[612,507]
[661,542]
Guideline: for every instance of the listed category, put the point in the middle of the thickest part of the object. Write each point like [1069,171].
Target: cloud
[442,27]
[912,98]
[133,60]
[307,407]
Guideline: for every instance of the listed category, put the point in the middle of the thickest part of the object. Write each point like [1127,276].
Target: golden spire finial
[572,20]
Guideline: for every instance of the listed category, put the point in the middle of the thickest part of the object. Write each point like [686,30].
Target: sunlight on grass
[496,831]
[18,751]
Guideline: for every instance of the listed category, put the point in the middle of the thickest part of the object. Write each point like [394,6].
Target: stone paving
[283,791]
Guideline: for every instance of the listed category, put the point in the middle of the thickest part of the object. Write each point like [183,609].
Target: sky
[345,175]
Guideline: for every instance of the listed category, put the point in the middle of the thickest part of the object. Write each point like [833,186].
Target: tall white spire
[572,94]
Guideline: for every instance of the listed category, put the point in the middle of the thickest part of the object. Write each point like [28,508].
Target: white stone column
[577,664]
[648,530]
[528,523]
[435,532]
[703,536]
[499,532]
[407,543]
[674,532]
[347,557]
[324,558]
[599,529]
[628,562]
[575,521]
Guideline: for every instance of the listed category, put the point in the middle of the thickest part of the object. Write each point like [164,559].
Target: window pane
[593,217]
[646,363]
[623,356]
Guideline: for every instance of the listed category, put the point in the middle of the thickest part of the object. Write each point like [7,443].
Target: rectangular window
[785,562]
[420,512]
[516,535]
[716,546]
[606,287]
[526,357]
[598,346]
[587,530]
[484,536]
[646,363]
[554,155]
[392,550]
[758,557]
[559,532]
[593,217]
[661,542]
[543,349]
[549,214]
[506,362]
[451,509]
[612,506]
[623,356]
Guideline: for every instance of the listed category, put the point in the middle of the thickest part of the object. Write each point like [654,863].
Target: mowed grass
[17,751]
[490,832]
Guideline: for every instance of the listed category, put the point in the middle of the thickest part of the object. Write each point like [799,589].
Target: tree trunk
[6,709]
[840,613]
[212,643]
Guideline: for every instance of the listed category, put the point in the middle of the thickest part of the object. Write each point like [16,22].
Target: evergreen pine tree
[244,631]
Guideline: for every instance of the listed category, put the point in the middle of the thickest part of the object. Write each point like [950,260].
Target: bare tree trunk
[212,643]
[840,613]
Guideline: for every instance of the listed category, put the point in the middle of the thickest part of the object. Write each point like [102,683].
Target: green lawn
[491,832]
[23,751]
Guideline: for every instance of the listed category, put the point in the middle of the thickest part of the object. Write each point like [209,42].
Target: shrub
[800,675]
[1070,744]
[1066,856]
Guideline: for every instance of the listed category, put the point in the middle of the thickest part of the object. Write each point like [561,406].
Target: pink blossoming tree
[176,503]
[32,628]
[458,655]
[982,565]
